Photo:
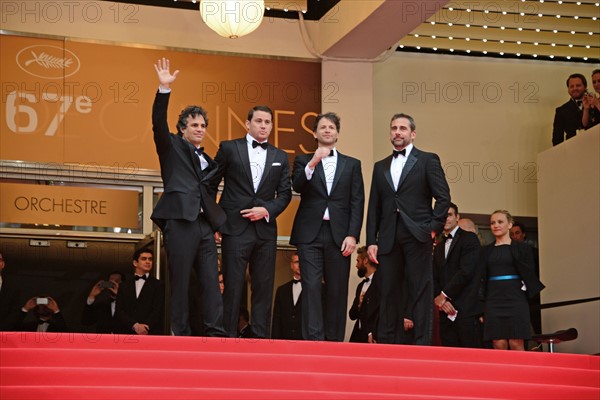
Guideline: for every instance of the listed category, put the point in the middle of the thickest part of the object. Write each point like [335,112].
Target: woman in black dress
[509,279]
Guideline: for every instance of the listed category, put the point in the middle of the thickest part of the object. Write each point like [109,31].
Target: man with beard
[568,117]
[365,308]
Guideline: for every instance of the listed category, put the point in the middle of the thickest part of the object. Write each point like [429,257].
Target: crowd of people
[422,265]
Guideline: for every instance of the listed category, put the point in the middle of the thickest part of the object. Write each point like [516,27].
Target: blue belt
[503,277]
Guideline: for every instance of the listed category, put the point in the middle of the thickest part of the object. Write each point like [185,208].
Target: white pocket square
[276,164]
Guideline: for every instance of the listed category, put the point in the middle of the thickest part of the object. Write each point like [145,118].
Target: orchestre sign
[63,205]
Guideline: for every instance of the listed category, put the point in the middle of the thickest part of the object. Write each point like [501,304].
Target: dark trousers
[239,252]
[463,332]
[407,266]
[192,245]
[322,259]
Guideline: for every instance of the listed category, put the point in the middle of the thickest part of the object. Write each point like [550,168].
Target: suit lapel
[242,148]
[455,239]
[410,163]
[268,163]
[341,162]
[387,163]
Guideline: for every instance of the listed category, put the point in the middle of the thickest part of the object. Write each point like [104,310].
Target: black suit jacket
[100,313]
[422,179]
[10,306]
[145,309]
[367,314]
[56,323]
[274,191]
[524,264]
[457,275]
[186,186]
[346,201]
[567,120]
[287,317]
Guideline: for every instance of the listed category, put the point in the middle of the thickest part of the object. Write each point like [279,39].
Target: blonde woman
[508,281]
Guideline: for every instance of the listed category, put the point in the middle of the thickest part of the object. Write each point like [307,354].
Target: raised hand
[165,77]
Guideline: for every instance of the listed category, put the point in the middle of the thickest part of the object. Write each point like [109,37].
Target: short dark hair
[454,207]
[520,225]
[411,121]
[362,251]
[138,252]
[596,71]
[190,111]
[333,117]
[259,108]
[122,275]
[575,76]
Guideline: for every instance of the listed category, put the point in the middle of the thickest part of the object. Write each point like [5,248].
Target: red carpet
[87,366]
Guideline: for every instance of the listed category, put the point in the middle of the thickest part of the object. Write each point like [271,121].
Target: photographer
[101,304]
[48,317]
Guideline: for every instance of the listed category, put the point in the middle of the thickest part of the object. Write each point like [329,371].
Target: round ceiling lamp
[232,18]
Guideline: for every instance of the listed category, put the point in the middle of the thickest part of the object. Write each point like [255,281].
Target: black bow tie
[578,102]
[199,150]
[297,281]
[255,144]
[396,152]
[448,237]
[137,277]
[331,153]
[366,280]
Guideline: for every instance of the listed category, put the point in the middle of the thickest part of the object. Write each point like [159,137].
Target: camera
[106,285]
[41,300]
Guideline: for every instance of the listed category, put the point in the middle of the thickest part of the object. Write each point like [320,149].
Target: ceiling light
[587,46]
[551,56]
[232,18]
[433,36]
[468,25]
[518,54]
[484,40]
[537,29]
[452,50]
[418,47]
[576,17]
[518,42]
[570,45]
[557,16]
[504,13]
[467,39]
[535,55]
[535,43]
[519,29]
[540,15]
[485,27]
[432,22]
[585,58]
[416,35]
[503,28]
[449,23]
[553,45]
[501,53]
[568,57]
[450,9]
[555,31]
[468,51]
[485,52]
[450,38]
[572,32]
[501,40]
[435,49]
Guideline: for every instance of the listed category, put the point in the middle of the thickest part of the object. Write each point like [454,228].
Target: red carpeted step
[302,363]
[55,366]
[286,381]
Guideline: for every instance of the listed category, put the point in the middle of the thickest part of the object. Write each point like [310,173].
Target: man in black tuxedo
[401,225]
[326,229]
[101,304]
[365,308]
[9,300]
[46,313]
[256,190]
[187,212]
[140,302]
[287,310]
[568,117]
[455,263]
